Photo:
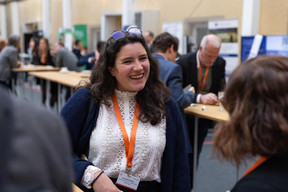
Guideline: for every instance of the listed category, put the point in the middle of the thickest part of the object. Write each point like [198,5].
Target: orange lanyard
[256,164]
[204,79]
[129,146]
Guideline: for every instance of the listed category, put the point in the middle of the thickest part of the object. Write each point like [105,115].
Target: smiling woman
[132,68]
[122,121]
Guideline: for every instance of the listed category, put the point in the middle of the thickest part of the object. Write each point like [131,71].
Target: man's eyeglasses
[132,31]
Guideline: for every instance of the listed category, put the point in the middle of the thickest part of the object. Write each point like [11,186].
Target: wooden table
[70,79]
[28,68]
[211,112]
[76,189]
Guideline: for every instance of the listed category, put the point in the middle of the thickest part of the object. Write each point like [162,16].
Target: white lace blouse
[107,151]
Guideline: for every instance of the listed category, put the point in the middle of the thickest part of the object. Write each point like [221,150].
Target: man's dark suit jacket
[188,63]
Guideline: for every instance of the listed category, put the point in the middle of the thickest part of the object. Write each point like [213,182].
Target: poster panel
[175,29]
[227,31]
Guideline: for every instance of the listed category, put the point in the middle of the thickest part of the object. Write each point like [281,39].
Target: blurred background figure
[256,100]
[91,58]
[78,49]
[65,58]
[35,148]
[32,48]
[8,60]
[149,38]
[2,45]
[43,56]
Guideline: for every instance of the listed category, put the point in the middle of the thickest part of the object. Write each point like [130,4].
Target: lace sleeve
[89,176]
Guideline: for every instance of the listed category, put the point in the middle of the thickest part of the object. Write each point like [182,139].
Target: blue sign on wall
[247,44]
[270,45]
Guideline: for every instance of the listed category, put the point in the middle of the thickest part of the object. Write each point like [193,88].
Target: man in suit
[165,49]
[9,59]
[204,70]
[34,146]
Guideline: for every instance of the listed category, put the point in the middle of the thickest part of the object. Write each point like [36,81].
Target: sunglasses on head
[131,31]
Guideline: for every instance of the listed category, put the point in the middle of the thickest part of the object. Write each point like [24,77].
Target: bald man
[206,64]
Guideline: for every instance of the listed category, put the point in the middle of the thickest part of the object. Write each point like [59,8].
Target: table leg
[17,86]
[71,91]
[30,80]
[22,82]
[59,95]
[14,91]
[47,94]
[195,151]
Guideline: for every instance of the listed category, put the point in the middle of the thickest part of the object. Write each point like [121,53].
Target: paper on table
[186,89]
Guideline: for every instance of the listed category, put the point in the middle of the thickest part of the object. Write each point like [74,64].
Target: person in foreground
[35,148]
[256,99]
[125,101]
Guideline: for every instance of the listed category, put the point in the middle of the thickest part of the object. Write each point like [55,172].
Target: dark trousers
[53,92]
[203,125]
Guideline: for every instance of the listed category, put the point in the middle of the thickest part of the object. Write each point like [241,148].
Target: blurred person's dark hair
[77,41]
[100,45]
[61,44]
[163,41]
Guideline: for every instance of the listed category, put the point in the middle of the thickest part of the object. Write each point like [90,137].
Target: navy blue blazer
[84,61]
[77,52]
[171,75]
[174,168]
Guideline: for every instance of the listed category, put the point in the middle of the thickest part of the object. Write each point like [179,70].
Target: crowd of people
[40,53]
[127,125]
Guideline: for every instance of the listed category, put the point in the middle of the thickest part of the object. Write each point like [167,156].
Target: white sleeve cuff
[198,98]
[89,176]
[90,59]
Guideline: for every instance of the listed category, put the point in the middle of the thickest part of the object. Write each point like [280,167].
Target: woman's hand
[104,184]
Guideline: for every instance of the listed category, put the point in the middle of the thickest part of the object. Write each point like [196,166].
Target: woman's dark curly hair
[151,98]
[256,97]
